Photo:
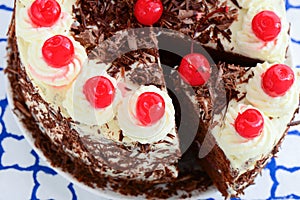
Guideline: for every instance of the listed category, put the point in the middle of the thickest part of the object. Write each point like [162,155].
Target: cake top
[98,64]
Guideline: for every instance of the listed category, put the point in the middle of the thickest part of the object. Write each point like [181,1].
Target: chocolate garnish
[236,3]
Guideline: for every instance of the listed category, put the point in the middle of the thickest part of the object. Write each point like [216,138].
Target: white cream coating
[40,70]
[79,108]
[272,107]
[145,134]
[26,30]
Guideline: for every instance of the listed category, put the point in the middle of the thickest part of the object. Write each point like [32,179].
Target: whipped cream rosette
[134,128]
[81,102]
[35,22]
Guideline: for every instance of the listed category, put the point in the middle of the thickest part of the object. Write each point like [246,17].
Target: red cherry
[277,80]
[195,69]
[249,124]
[266,25]
[150,108]
[44,13]
[99,91]
[58,51]
[148,12]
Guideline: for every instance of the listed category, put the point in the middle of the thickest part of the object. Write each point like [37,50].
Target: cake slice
[107,106]
[125,139]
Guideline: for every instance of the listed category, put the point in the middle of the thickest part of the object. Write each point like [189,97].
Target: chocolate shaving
[236,3]
[294,123]
[188,17]
[183,14]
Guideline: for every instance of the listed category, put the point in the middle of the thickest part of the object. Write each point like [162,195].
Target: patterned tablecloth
[23,175]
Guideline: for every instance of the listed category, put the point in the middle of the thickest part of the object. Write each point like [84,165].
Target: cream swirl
[247,42]
[240,150]
[271,106]
[79,108]
[131,126]
[26,30]
[40,70]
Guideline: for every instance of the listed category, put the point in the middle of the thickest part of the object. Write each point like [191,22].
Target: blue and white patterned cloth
[23,175]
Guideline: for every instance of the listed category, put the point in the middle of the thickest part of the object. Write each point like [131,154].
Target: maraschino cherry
[99,91]
[148,12]
[266,25]
[150,108]
[249,124]
[58,51]
[277,80]
[195,69]
[44,13]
